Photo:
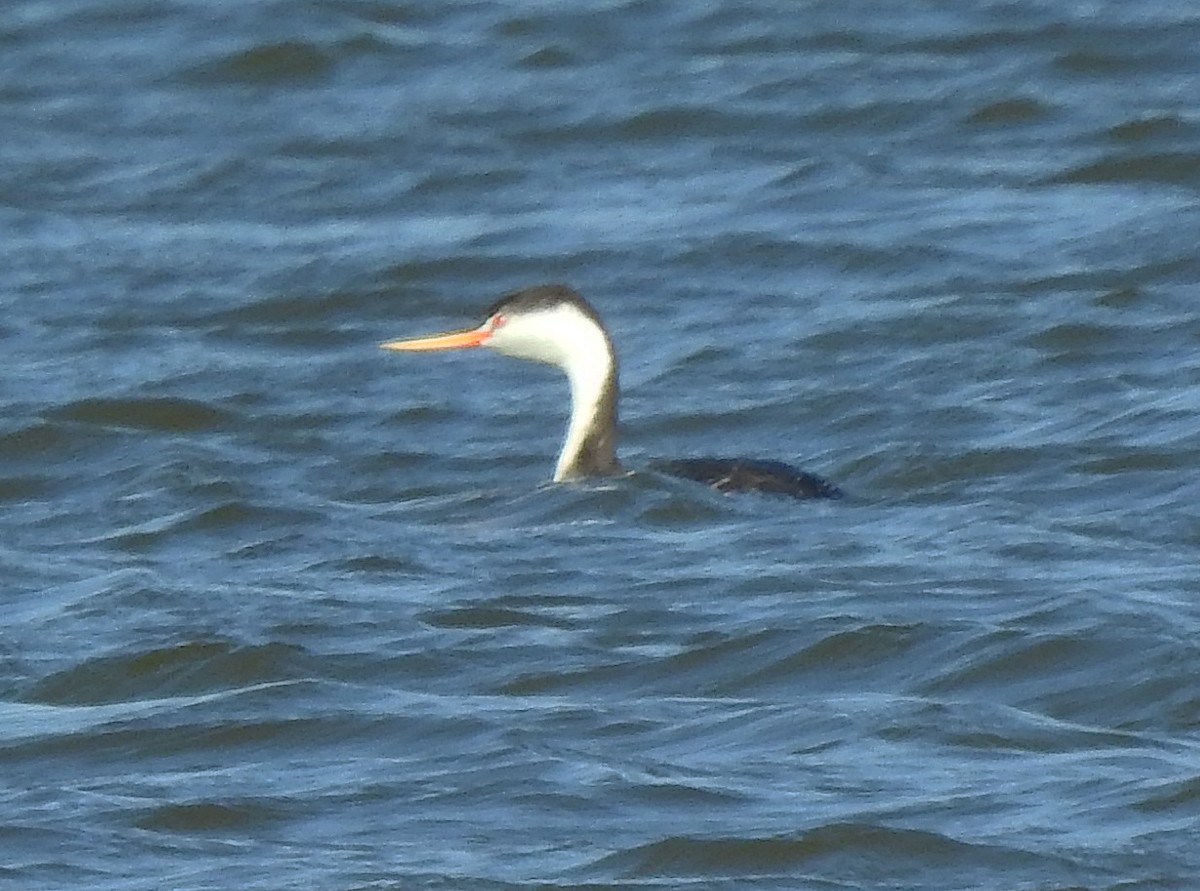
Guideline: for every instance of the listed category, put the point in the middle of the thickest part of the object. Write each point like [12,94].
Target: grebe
[553,324]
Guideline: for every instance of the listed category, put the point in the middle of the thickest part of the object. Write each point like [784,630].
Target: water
[285,611]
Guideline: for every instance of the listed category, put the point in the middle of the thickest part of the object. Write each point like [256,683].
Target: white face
[559,335]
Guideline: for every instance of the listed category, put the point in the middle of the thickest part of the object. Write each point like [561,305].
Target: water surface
[284,610]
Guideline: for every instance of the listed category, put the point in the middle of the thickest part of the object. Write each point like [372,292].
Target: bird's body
[554,325]
[750,475]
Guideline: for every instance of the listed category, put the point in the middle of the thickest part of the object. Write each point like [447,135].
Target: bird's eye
[497,321]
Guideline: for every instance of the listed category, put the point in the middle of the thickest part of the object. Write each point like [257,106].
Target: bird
[553,324]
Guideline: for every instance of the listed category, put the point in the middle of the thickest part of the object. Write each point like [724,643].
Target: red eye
[498,320]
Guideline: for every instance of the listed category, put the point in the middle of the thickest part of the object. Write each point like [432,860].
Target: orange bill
[454,340]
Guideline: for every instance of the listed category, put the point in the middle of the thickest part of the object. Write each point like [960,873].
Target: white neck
[565,337]
[591,437]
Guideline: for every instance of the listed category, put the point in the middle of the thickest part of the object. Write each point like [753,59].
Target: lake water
[283,610]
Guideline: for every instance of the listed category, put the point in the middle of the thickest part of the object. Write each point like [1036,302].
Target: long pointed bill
[454,340]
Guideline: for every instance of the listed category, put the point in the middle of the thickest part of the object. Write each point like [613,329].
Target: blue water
[283,610]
